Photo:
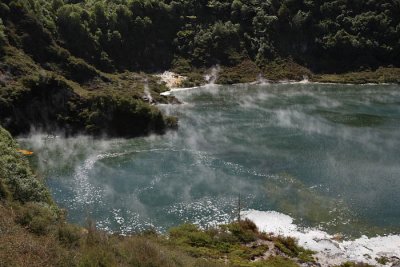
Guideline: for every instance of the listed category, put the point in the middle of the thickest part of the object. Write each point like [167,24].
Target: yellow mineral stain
[25,152]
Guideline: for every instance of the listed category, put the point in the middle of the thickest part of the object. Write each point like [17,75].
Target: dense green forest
[85,66]
[333,36]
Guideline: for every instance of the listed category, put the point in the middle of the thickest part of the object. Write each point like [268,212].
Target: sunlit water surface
[327,155]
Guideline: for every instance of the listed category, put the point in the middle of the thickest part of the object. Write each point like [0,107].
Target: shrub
[382,260]
[289,246]
[191,235]
[246,231]
[17,177]
[69,235]
[39,219]
[97,256]
[245,72]
[247,224]
[4,192]
[79,71]
[181,65]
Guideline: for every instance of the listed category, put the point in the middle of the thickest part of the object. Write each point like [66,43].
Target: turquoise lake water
[327,155]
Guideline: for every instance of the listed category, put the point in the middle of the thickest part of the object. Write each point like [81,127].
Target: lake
[326,155]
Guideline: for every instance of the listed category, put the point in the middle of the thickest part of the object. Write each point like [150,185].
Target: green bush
[97,256]
[191,235]
[39,219]
[290,247]
[245,72]
[78,70]
[17,178]
[69,235]
[245,231]
[4,192]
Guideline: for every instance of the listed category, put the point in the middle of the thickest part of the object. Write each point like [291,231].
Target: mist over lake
[327,155]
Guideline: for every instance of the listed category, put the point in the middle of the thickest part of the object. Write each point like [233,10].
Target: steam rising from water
[212,77]
[327,155]
[147,93]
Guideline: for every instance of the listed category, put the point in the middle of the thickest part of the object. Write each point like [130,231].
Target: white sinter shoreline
[171,79]
[330,251]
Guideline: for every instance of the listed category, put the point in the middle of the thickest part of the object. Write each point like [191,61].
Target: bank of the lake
[276,71]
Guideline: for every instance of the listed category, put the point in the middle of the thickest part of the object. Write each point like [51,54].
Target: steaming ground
[327,155]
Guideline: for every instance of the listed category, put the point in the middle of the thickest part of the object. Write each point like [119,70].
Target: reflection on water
[328,155]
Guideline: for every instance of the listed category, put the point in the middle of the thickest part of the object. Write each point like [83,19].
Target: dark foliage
[333,35]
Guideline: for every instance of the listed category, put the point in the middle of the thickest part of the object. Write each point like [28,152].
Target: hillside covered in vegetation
[80,66]
[327,36]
